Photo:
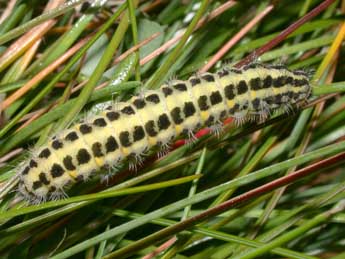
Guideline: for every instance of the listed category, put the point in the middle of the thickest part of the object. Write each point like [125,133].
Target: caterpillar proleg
[156,118]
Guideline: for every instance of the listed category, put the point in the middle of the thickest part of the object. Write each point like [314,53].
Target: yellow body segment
[177,103]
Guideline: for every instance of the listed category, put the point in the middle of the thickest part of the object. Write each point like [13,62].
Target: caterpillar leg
[113,170]
[288,109]
[58,195]
[164,149]
[217,129]
[191,138]
[240,118]
[135,161]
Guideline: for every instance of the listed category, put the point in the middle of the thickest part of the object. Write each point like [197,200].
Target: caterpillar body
[154,119]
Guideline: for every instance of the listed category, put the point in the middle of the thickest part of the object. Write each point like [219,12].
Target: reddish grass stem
[190,222]
[285,33]
[236,38]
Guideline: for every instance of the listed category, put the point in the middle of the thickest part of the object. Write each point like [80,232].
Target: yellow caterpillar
[131,128]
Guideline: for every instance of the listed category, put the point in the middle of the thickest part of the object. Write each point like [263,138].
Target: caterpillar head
[35,185]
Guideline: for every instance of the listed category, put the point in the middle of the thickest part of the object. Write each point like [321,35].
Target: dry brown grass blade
[8,10]
[41,75]
[28,39]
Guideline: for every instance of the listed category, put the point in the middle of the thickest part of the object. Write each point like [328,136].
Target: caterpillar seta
[129,129]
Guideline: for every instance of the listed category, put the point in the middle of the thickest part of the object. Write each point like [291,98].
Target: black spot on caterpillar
[180,108]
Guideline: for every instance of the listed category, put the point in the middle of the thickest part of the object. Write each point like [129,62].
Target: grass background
[269,190]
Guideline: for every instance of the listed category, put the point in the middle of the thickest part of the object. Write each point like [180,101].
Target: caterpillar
[154,119]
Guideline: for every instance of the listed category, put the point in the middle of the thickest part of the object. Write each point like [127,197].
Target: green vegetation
[260,190]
